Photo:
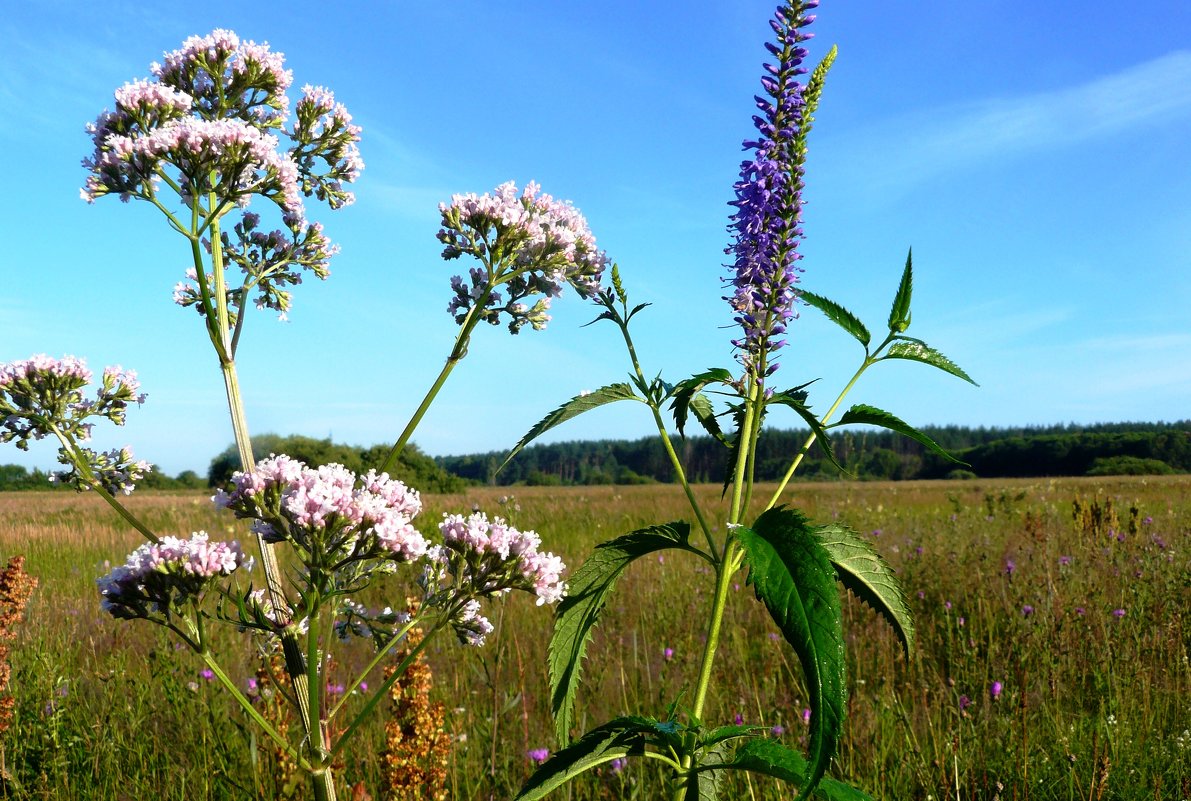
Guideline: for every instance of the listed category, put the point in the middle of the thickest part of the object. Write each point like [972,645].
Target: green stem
[457,353]
[869,361]
[743,447]
[665,436]
[84,468]
[252,712]
[381,691]
[376,660]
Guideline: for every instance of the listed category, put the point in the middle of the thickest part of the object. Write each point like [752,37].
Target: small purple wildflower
[1064,561]
[964,702]
[538,755]
[876,532]
[778,730]
[947,605]
[774,636]
[1079,610]
[1118,613]
[1010,567]
[617,765]
[207,674]
[994,691]
[1027,610]
[667,654]
[738,719]
[334,689]
[806,716]
[959,622]
[1147,520]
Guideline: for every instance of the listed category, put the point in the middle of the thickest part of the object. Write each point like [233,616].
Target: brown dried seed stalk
[416,747]
[16,586]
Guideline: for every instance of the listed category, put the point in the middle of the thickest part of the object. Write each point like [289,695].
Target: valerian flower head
[209,126]
[159,579]
[42,396]
[528,242]
[766,224]
[484,558]
[333,517]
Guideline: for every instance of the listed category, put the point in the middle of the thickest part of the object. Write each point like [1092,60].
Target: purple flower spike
[765,226]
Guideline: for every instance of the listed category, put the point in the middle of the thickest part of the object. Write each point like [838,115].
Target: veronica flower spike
[766,226]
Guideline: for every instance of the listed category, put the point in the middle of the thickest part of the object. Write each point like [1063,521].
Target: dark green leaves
[838,315]
[587,591]
[792,575]
[870,415]
[572,408]
[864,572]
[614,740]
[771,758]
[899,315]
[688,398]
[918,351]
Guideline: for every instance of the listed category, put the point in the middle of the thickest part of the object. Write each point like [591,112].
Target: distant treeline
[1061,450]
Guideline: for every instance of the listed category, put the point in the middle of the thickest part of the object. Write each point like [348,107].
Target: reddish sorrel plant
[208,136]
[793,563]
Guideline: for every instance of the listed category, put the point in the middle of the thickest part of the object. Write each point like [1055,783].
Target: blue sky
[1035,158]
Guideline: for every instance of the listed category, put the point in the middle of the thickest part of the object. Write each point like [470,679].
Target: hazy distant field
[1087,632]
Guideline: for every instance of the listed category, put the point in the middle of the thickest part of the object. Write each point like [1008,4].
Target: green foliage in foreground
[1092,704]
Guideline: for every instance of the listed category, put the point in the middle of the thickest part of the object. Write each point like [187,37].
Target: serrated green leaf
[685,392]
[863,414]
[819,430]
[701,408]
[918,351]
[705,784]
[588,589]
[771,758]
[636,309]
[615,739]
[723,733]
[572,408]
[792,575]
[899,315]
[838,315]
[862,570]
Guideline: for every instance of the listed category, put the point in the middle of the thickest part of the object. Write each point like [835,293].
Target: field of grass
[1070,596]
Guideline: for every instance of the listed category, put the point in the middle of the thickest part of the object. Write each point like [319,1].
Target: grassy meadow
[1071,596]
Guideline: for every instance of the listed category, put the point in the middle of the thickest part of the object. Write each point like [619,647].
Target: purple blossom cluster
[766,224]
[43,396]
[334,517]
[161,578]
[528,242]
[485,558]
[208,125]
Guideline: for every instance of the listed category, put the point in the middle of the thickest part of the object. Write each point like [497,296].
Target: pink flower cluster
[42,396]
[529,241]
[207,124]
[162,577]
[485,558]
[328,512]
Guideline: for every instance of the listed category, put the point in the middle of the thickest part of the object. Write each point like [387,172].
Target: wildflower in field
[1118,613]
[529,243]
[617,765]
[667,654]
[538,755]
[1010,567]
[964,702]
[42,396]
[777,730]
[806,716]
[206,674]
[209,124]
[994,690]
[159,579]
[1027,610]
[1081,611]
[738,719]
[485,558]
[1064,561]
[766,224]
[334,517]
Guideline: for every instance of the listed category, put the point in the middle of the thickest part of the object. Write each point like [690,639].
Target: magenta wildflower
[964,702]
[207,674]
[1064,561]
[538,755]
[1118,613]
[1010,567]
[667,654]
[778,730]
[1027,610]
[994,690]
[806,716]
[738,719]
[765,226]
[335,689]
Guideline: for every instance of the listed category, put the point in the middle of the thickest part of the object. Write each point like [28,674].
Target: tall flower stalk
[793,564]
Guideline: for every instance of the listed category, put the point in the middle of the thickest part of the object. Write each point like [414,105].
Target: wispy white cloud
[919,146]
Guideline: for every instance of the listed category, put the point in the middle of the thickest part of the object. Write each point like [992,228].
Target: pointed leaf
[572,408]
[701,407]
[792,575]
[705,784]
[771,758]
[615,739]
[685,392]
[722,733]
[838,315]
[918,351]
[863,414]
[861,569]
[587,591]
[819,430]
[899,315]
